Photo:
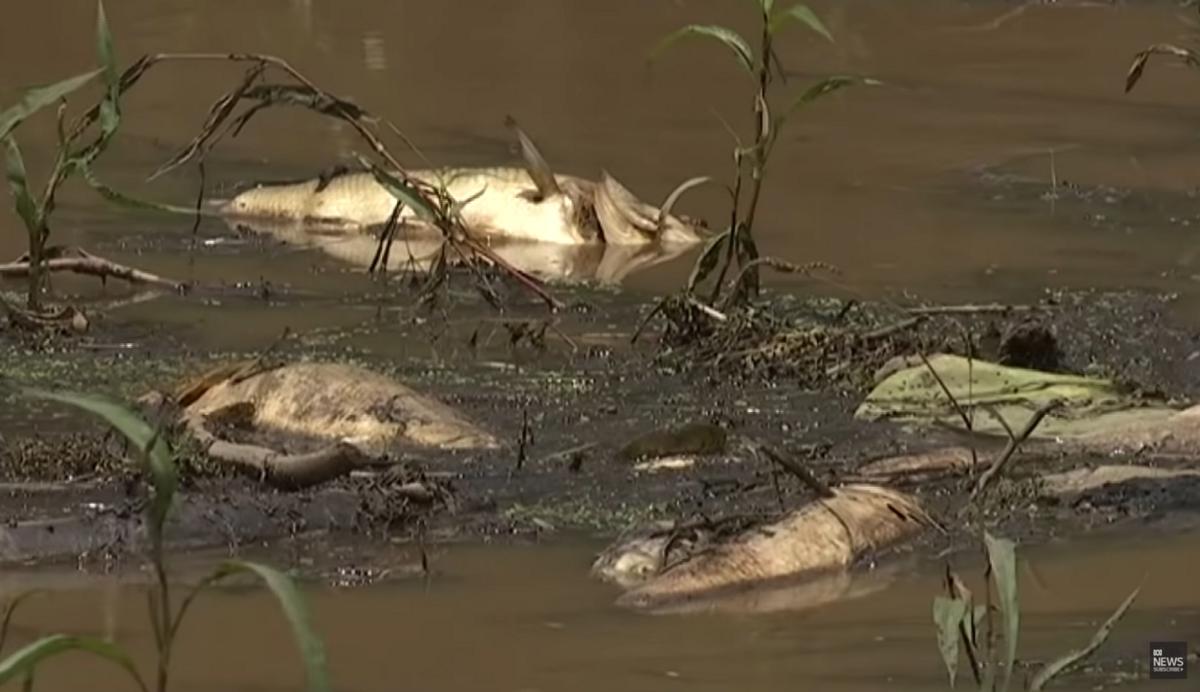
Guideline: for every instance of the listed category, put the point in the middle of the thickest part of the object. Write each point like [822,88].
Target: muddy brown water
[527,618]
[938,184]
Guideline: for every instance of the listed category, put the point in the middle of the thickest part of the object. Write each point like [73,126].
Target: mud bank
[565,408]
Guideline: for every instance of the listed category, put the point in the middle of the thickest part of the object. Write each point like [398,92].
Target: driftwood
[62,259]
[278,469]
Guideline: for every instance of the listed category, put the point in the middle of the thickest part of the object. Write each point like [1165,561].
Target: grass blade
[38,98]
[294,609]
[121,199]
[18,185]
[110,113]
[803,14]
[822,88]
[707,260]
[10,610]
[948,614]
[22,663]
[730,38]
[1064,663]
[401,191]
[1002,556]
[157,453]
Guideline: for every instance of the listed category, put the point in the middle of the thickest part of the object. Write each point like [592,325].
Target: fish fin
[623,218]
[535,164]
[329,175]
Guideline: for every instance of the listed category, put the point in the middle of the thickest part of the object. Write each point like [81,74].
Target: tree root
[277,469]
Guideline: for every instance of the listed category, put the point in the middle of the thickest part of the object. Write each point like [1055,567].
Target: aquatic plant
[155,457]
[87,138]
[987,633]
[736,245]
[70,158]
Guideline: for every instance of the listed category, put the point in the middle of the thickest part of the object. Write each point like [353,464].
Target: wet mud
[581,427]
[1013,206]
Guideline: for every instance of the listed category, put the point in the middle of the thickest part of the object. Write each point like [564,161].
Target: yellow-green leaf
[822,88]
[38,98]
[18,185]
[803,14]
[155,452]
[401,190]
[291,601]
[730,38]
[23,662]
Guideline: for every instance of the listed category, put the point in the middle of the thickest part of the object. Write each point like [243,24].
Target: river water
[940,182]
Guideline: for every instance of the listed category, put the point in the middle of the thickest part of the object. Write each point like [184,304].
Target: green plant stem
[164,623]
[37,271]
[758,161]
[733,227]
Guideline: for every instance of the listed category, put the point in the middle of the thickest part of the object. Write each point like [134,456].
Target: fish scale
[501,202]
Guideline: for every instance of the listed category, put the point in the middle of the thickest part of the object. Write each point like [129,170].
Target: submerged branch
[278,469]
[81,262]
[1014,442]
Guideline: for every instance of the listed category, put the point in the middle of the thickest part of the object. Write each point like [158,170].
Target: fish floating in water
[518,204]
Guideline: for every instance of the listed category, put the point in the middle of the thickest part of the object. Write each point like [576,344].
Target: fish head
[634,560]
[264,200]
[626,220]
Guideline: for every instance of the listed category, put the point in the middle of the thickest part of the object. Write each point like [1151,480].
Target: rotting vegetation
[748,363]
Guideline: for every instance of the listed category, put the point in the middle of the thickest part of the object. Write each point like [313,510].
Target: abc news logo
[1168,660]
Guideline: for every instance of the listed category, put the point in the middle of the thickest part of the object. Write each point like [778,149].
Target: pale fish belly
[497,203]
[500,206]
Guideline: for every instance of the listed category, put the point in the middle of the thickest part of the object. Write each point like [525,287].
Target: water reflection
[598,263]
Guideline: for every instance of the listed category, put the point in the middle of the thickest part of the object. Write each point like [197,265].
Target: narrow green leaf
[948,614]
[23,663]
[38,98]
[104,47]
[819,89]
[10,609]
[18,186]
[729,37]
[401,190]
[158,460]
[291,601]
[121,199]
[1068,661]
[747,249]
[707,260]
[1002,557]
[800,13]
[110,109]
[767,7]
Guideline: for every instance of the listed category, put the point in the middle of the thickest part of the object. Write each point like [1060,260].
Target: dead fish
[341,402]
[825,537]
[530,203]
